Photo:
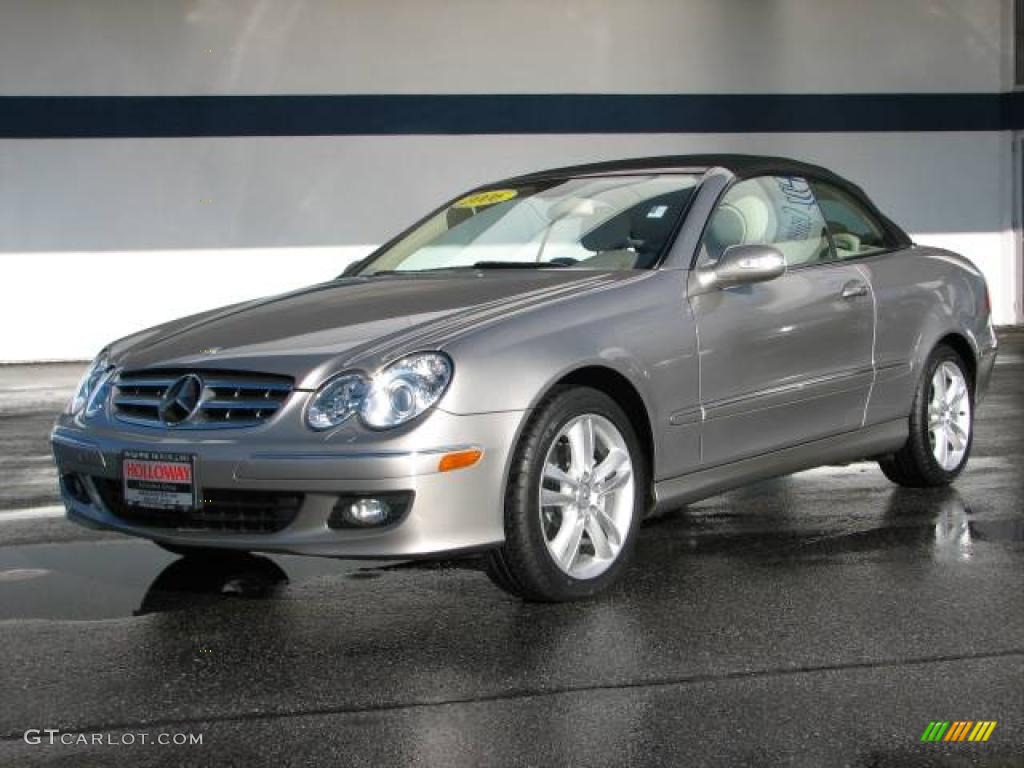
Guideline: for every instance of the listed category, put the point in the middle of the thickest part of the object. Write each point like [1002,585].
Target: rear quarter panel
[922,295]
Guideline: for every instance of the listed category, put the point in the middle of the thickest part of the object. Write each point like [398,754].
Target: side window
[771,210]
[855,231]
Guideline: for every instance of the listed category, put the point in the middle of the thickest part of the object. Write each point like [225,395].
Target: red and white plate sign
[159,480]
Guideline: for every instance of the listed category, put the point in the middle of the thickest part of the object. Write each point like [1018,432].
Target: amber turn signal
[459,459]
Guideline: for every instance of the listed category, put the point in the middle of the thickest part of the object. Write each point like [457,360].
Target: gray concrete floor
[821,619]
[30,398]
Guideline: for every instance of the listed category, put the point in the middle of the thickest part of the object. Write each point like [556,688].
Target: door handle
[853,289]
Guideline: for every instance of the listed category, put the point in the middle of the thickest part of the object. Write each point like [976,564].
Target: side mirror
[742,265]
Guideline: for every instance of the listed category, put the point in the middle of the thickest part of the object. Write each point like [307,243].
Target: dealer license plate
[159,480]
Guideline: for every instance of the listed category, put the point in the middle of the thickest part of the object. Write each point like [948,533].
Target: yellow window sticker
[490,197]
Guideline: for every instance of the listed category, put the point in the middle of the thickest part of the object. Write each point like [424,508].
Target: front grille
[225,399]
[230,511]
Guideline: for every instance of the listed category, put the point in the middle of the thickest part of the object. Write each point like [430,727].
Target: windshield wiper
[518,265]
[414,271]
[470,267]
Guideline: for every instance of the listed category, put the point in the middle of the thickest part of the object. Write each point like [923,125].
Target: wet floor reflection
[772,522]
[953,536]
[935,522]
[190,579]
[117,578]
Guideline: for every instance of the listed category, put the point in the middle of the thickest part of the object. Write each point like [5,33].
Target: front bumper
[454,511]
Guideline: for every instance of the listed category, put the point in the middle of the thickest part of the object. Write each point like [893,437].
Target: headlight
[405,389]
[335,401]
[395,395]
[96,372]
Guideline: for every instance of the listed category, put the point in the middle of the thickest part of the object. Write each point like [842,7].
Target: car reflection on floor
[768,522]
[187,579]
[935,520]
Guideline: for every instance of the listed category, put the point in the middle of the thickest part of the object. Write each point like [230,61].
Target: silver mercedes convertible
[535,367]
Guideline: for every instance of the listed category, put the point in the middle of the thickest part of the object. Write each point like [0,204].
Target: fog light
[369,510]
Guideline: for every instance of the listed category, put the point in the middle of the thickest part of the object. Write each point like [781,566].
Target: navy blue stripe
[1013,111]
[37,117]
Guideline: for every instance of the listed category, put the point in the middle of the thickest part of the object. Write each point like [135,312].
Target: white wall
[474,46]
[89,226]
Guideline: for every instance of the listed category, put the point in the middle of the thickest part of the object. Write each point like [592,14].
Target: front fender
[640,328]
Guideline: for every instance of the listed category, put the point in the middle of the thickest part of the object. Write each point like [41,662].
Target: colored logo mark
[958,730]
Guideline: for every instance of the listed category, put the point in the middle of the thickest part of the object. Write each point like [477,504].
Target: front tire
[941,425]
[574,500]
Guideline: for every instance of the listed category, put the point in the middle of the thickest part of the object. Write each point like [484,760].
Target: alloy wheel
[587,495]
[949,416]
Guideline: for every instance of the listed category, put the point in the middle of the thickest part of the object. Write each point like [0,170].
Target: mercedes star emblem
[181,399]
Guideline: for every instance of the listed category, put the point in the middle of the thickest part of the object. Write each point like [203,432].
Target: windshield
[607,223]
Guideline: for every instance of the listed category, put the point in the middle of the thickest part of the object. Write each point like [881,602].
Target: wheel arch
[619,388]
[959,343]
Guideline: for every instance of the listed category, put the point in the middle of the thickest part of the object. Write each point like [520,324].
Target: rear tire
[580,454]
[941,425]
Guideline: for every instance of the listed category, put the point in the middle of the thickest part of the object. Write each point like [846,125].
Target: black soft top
[741,166]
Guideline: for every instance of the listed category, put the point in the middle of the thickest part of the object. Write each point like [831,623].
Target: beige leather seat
[738,222]
[751,220]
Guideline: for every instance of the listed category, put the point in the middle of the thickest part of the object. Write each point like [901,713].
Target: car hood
[351,322]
